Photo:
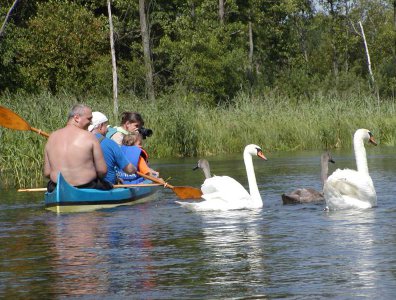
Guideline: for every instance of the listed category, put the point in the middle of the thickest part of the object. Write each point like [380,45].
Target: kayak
[67,198]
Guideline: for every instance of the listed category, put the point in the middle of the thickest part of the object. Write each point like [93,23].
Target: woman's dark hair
[132,117]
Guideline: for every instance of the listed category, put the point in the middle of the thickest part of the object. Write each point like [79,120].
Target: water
[158,250]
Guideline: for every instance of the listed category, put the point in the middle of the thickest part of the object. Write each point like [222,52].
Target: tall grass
[185,128]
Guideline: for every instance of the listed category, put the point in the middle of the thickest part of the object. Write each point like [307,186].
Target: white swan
[225,193]
[349,188]
[308,195]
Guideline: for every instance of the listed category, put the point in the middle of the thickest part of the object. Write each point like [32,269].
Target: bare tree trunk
[113,61]
[394,23]
[221,11]
[146,50]
[367,54]
[346,50]
[7,17]
[369,62]
[251,47]
[333,45]
[302,37]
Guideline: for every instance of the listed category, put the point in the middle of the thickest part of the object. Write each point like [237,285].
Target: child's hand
[154,173]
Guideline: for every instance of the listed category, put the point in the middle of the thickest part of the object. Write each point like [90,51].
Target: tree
[113,61]
[202,56]
[146,50]
[60,47]
[7,17]
[221,11]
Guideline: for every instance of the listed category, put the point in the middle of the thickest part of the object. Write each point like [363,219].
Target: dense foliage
[297,47]
[182,128]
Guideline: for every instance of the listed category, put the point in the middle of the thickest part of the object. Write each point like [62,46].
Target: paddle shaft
[39,131]
[116,186]
[155,179]
[183,192]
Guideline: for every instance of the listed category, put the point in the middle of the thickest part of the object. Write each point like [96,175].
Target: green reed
[184,127]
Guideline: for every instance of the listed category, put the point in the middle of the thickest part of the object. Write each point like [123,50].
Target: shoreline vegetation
[183,127]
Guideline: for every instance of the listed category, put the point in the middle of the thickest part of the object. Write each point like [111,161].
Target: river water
[158,250]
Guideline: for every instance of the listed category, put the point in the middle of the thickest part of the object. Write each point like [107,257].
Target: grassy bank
[183,128]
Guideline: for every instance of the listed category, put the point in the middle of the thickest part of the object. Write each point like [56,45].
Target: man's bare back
[74,152]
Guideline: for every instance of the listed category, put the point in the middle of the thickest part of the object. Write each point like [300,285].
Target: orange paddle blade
[11,120]
[187,192]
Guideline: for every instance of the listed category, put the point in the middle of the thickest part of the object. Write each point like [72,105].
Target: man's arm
[99,162]
[47,165]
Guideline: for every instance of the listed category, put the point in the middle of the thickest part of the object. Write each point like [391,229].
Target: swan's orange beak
[261,154]
[371,139]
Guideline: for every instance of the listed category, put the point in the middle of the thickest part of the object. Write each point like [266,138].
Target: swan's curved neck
[206,171]
[324,170]
[360,155]
[253,189]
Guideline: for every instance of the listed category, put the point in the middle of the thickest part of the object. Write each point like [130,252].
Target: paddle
[11,120]
[116,186]
[183,192]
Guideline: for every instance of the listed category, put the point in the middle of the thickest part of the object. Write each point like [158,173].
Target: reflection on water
[352,233]
[232,242]
[158,250]
[77,261]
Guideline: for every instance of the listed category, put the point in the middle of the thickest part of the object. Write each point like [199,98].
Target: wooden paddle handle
[33,190]
[155,179]
[39,131]
[136,185]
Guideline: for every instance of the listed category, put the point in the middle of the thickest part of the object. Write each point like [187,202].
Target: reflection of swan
[225,193]
[307,195]
[233,241]
[349,188]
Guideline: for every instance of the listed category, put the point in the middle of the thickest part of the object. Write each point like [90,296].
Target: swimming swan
[308,195]
[349,188]
[225,193]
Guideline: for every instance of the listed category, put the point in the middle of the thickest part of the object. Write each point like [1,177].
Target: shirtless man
[75,153]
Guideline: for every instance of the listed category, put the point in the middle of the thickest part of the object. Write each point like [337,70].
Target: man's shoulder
[78,134]
[109,142]
[111,146]
[59,133]
[86,135]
